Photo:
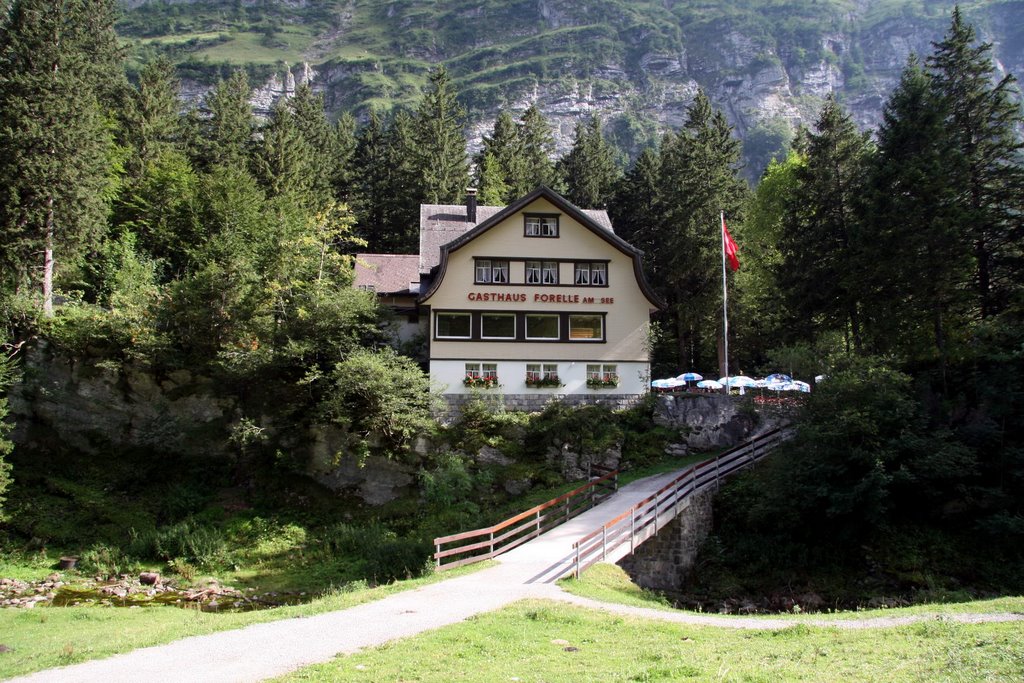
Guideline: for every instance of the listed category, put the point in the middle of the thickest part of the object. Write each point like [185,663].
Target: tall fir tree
[500,165]
[984,119]
[369,194]
[442,162]
[58,61]
[917,265]
[822,246]
[343,167]
[401,201]
[150,121]
[698,181]
[632,209]
[589,169]
[283,160]
[538,152]
[227,133]
[328,162]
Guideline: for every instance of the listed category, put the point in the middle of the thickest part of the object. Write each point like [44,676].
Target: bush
[106,560]
[200,545]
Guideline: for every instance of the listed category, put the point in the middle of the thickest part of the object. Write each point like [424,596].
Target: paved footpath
[275,648]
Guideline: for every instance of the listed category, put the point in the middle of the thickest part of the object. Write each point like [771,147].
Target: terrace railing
[483,544]
[647,517]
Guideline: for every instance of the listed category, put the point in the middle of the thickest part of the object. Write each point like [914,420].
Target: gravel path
[275,648]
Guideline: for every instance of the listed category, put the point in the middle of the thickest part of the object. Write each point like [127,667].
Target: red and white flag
[730,248]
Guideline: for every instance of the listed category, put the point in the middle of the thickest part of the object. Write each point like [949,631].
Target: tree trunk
[48,262]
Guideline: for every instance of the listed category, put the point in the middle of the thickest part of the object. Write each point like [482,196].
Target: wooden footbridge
[597,521]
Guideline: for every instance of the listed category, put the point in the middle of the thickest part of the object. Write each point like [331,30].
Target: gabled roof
[593,220]
[387,273]
[441,224]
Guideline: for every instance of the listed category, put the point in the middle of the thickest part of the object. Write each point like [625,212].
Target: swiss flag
[729,245]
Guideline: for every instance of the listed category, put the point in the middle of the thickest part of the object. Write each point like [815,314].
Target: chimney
[471,205]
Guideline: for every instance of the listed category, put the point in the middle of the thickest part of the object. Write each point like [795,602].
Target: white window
[542,375]
[602,375]
[591,274]
[586,327]
[541,226]
[541,326]
[491,271]
[452,325]
[533,269]
[550,274]
[482,370]
[498,326]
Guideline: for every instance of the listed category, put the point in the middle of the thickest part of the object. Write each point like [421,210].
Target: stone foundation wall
[664,562]
[534,403]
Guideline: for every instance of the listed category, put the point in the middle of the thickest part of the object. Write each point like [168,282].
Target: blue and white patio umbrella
[797,385]
[709,384]
[778,377]
[738,381]
[660,384]
[690,377]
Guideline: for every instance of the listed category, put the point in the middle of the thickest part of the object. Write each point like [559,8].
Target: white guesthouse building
[530,301]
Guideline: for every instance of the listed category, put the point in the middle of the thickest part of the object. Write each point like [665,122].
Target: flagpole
[725,304]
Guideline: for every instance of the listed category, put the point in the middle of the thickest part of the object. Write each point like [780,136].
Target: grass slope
[537,641]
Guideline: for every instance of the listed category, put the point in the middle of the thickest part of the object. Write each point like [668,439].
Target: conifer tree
[327,161]
[343,173]
[371,185]
[284,160]
[589,169]
[150,120]
[633,208]
[58,61]
[984,120]
[822,245]
[699,180]
[500,164]
[228,131]
[918,266]
[538,152]
[441,158]
[402,180]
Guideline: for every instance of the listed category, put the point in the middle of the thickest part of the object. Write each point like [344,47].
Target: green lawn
[539,641]
[45,637]
[609,583]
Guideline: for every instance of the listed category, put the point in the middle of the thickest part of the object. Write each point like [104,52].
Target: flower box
[603,381]
[485,382]
[545,381]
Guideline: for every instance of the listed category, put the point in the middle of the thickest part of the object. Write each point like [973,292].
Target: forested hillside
[202,261]
[767,64]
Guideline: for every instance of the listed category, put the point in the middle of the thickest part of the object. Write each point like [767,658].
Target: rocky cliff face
[636,65]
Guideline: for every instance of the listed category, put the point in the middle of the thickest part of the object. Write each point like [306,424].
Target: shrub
[106,560]
[201,545]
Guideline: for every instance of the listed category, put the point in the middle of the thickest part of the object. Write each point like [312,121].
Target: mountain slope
[768,63]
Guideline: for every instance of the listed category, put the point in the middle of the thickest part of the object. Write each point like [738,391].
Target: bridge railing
[482,544]
[647,517]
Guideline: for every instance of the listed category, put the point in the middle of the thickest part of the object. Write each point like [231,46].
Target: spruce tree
[984,119]
[917,265]
[538,152]
[58,61]
[589,169]
[441,158]
[228,131]
[371,185]
[284,160]
[402,180]
[698,181]
[822,245]
[633,208]
[500,165]
[328,161]
[150,119]
[343,166]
